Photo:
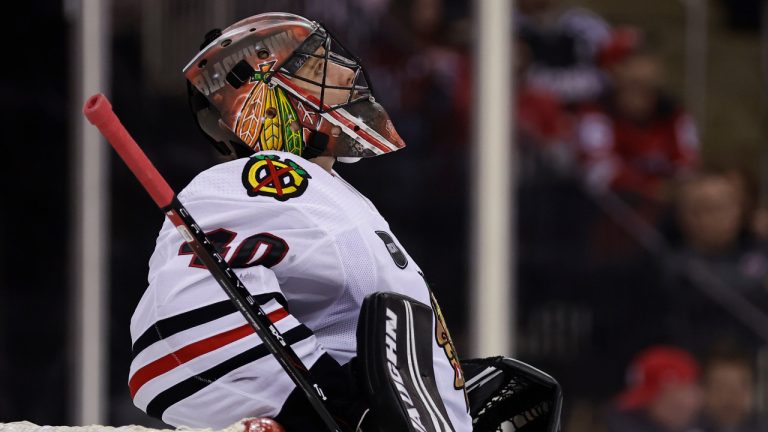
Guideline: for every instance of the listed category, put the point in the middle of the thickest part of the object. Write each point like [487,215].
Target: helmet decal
[268,120]
[251,116]
[293,140]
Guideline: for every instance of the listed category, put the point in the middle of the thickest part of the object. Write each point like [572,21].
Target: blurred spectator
[759,223]
[566,46]
[662,393]
[634,141]
[711,214]
[542,124]
[729,395]
[636,138]
[710,211]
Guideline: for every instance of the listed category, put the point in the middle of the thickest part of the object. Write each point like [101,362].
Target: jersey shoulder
[256,202]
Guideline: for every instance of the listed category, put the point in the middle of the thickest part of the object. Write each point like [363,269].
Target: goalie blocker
[395,371]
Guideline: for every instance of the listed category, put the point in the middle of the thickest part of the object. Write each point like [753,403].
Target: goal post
[492,291]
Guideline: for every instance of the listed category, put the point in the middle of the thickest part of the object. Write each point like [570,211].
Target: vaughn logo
[397,255]
[391,342]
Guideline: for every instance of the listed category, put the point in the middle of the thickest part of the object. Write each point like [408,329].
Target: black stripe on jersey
[192,385]
[170,326]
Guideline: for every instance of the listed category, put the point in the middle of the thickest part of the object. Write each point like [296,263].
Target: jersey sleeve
[197,362]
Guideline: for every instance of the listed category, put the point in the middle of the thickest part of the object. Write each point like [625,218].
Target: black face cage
[333,52]
[509,391]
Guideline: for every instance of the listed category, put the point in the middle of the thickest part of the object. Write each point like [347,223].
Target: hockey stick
[99,112]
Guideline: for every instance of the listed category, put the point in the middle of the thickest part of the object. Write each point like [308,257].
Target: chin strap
[316,145]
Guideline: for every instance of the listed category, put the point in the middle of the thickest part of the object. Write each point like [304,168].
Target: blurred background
[641,190]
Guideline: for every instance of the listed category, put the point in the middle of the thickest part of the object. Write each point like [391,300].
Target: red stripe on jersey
[194,350]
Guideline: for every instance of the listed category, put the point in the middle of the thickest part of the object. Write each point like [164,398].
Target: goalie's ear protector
[207,121]
[502,389]
[394,350]
[207,117]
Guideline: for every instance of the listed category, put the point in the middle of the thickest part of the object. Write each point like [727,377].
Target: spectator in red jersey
[637,138]
[662,393]
[540,116]
[565,43]
[543,127]
[569,46]
[541,123]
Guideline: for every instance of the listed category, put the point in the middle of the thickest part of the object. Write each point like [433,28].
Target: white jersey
[310,248]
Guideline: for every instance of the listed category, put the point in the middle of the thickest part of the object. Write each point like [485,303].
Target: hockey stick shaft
[99,112]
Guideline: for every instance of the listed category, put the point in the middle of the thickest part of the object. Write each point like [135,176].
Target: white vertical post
[89,263]
[492,289]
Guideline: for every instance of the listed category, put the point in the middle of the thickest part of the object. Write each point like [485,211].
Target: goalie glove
[503,390]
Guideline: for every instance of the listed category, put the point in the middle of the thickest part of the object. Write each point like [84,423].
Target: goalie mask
[277,81]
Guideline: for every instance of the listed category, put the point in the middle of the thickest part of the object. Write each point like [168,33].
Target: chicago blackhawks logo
[267,175]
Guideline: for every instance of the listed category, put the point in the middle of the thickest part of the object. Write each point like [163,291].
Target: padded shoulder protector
[394,340]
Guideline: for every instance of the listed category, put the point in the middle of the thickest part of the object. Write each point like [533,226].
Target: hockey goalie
[285,100]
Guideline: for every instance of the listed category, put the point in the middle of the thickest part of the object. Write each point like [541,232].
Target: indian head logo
[268,120]
[267,175]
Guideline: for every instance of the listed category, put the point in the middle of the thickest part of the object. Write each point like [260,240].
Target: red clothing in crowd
[636,157]
[540,116]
